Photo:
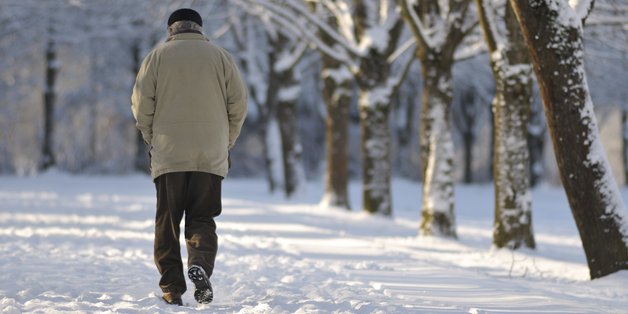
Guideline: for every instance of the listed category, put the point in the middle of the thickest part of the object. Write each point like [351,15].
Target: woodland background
[99,43]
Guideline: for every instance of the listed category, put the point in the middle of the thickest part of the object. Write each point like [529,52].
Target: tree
[511,107]
[366,43]
[284,58]
[438,28]
[553,32]
[47,158]
[337,94]
[624,136]
[275,96]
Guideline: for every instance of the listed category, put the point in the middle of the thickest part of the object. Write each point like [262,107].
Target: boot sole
[203,292]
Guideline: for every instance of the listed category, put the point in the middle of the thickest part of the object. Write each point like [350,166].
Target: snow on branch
[470,51]
[288,21]
[450,16]
[288,60]
[418,24]
[401,49]
[341,11]
[495,36]
[320,25]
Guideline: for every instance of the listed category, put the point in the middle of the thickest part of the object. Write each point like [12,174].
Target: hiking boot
[172,298]
[203,292]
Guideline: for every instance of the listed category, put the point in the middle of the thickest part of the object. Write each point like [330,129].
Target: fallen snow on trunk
[84,244]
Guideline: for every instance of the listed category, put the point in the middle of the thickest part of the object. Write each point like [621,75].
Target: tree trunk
[47,158]
[337,96]
[375,146]
[511,107]
[142,162]
[437,38]
[437,148]
[272,153]
[294,176]
[286,99]
[271,134]
[466,125]
[624,120]
[376,92]
[337,88]
[467,139]
[553,34]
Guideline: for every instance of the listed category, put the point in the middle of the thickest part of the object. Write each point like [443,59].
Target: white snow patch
[374,37]
[289,93]
[339,75]
[288,256]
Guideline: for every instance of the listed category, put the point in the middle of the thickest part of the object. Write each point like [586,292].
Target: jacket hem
[184,169]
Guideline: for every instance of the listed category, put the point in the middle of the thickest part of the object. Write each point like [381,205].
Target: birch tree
[438,27]
[553,33]
[511,106]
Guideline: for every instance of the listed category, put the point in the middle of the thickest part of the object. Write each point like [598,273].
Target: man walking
[189,102]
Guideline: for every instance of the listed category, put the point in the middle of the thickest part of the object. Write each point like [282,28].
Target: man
[189,102]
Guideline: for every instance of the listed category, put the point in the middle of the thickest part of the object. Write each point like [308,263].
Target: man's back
[199,105]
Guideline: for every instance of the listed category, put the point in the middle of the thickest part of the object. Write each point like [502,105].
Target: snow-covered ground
[84,244]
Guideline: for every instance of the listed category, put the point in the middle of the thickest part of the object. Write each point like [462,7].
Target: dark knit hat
[185,15]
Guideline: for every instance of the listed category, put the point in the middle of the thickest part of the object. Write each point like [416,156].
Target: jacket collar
[187,36]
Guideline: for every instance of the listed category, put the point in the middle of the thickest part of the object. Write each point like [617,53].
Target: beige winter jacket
[189,102]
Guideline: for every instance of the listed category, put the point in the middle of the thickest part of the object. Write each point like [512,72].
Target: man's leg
[170,208]
[203,204]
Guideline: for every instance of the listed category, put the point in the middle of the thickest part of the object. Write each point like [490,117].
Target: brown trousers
[198,196]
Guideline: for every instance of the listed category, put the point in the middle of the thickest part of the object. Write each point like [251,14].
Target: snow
[581,7]
[607,185]
[374,37]
[288,60]
[437,191]
[376,96]
[338,75]
[289,93]
[84,244]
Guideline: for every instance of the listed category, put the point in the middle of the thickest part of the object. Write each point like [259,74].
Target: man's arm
[237,99]
[143,97]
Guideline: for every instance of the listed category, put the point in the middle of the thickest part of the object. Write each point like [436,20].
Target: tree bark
[437,152]
[287,94]
[436,53]
[337,97]
[511,107]
[375,147]
[466,124]
[374,100]
[374,107]
[553,33]
[624,120]
[48,159]
[337,85]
